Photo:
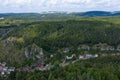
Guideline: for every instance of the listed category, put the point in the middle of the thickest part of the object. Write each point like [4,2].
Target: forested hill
[52,36]
[68,33]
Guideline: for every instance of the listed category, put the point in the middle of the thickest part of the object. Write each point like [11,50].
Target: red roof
[1,67]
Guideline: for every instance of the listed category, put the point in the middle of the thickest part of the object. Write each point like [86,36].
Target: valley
[64,47]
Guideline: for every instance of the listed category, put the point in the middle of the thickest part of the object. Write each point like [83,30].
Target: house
[96,55]
[5,68]
[41,65]
[42,69]
[74,55]
[113,54]
[84,47]
[11,69]
[3,64]
[65,50]
[51,56]
[96,46]
[103,47]
[1,68]
[69,57]
[25,69]
[8,72]
[78,48]
[107,48]
[118,47]
[88,55]
[103,55]
[48,66]
[111,48]
[81,57]
[118,53]
[2,73]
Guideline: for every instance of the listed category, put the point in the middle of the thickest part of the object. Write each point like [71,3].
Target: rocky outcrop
[34,52]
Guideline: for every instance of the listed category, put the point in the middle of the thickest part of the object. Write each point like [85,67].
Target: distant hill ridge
[43,14]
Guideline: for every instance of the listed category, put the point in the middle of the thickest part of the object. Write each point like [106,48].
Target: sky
[37,6]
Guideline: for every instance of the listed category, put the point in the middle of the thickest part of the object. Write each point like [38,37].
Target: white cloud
[63,5]
[14,2]
[77,1]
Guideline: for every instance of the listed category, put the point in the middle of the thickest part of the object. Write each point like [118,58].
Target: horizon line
[56,12]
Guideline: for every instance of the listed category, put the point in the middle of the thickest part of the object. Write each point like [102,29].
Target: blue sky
[20,6]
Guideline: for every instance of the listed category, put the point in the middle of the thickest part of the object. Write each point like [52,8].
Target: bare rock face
[34,52]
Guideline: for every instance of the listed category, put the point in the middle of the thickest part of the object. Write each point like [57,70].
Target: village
[4,70]
[68,59]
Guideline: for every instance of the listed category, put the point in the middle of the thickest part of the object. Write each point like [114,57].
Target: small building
[81,57]
[11,69]
[78,48]
[118,53]
[113,54]
[5,68]
[65,50]
[51,56]
[2,73]
[107,48]
[1,68]
[96,55]
[103,47]
[84,47]
[8,72]
[96,47]
[103,55]
[3,64]
[69,57]
[88,55]
[74,55]
[118,47]
[40,65]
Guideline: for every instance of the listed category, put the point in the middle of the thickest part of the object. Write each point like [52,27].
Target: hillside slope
[52,36]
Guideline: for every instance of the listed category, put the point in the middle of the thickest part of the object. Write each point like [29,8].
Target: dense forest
[60,34]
